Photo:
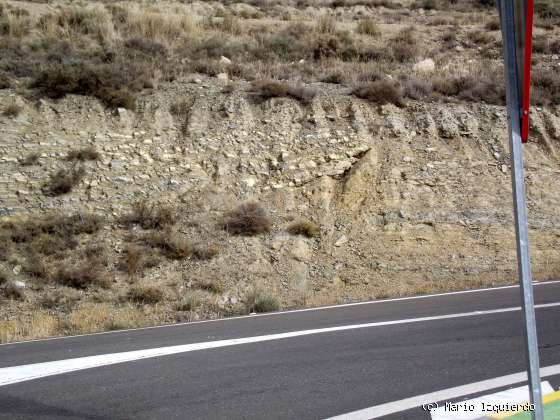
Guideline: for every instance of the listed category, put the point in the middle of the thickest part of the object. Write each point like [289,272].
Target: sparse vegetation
[145,294]
[30,159]
[84,274]
[188,303]
[81,155]
[381,92]
[247,219]
[259,301]
[64,180]
[150,215]
[266,89]
[304,227]
[367,26]
[12,110]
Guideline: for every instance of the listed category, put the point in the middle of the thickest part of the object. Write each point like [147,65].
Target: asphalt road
[306,377]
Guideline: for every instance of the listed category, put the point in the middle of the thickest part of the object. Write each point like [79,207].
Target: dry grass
[150,215]
[211,285]
[83,154]
[266,89]
[381,92]
[84,274]
[247,219]
[64,180]
[38,326]
[259,301]
[145,294]
[305,228]
[136,259]
[172,244]
[12,110]
[30,159]
[188,303]
[367,26]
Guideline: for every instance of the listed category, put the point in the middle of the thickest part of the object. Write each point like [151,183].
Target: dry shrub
[214,286]
[15,23]
[247,219]
[485,84]
[266,89]
[60,298]
[146,46]
[336,77]
[11,291]
[36,266]
[182,111]
[159,26]
[479,37]
[258,300]
[205,252]
[188,303]
[38,326]
[172,244]
[5,81]
[546,86]
[145,294]
[492,25]
[418,88]
[403,47]
[88,319]
[12,110]
[26,230]
[72,22]
[84,274]
[64,180]
[381,92]
[30,159]
[326,24]
[367,26]
[150,215]
[113,83]
[83,154]
[304,227]
[136,259]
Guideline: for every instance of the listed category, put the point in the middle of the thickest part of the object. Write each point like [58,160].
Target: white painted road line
[15,374]
[478,408]
[294,311]
[443,395]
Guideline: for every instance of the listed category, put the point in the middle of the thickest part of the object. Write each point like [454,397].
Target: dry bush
[205,252]
[336,77]
[83,275]
[418,88]
[172,244]
[266,89]
[37,326]
[146,46]
[260,301]
[35,265]
[63,298]
[95,22]
[214,286]
[145,294]
[188,303]
[15,23]
[136,259]
[11,291]
[150,215]
[26,230]
[12,110]
[247,219]
[182,111]
[403,47]
[492,25]
[367,26]
[83,154]
[381,92]
[326,24]
[64,180]
[88,319]
[484,84]
[479,37]
[30,159]
[157,26]
[546,45]
[115,84]
[546,87]
[5,81]
[304,227]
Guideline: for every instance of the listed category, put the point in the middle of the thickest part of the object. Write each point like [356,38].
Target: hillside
[184,161]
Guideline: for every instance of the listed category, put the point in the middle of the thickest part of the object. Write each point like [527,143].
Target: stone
[225,60]
[341,240]
[425,66]
[223,77]
[300,251]
[17,269]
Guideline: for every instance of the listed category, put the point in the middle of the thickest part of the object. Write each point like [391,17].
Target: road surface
[307,364]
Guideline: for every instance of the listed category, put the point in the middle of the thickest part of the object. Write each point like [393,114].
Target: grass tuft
[247,219]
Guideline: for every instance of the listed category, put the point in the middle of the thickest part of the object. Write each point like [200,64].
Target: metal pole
[521,229]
